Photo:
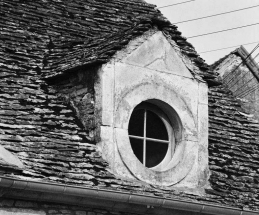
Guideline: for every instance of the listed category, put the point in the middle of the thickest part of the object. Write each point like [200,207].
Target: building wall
[78,91]
[241,82]
[22,207]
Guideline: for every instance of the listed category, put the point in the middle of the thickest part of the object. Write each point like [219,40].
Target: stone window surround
[115,144]
[183,158]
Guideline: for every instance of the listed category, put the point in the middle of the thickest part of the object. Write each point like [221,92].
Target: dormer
[153,114]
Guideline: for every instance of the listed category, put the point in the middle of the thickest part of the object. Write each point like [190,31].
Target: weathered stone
[17,211]
[53,211]
[7,203]
[80,212]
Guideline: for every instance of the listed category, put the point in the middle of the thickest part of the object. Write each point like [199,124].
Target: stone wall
[241,82]
[78,91]
[22,207]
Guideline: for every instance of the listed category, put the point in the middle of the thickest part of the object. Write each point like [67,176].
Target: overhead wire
[256,56]
[230,85]
[243,86]
[242,62]
[256,47]
[218,14]
[220,48]
[215,32]
[228,47]
[246,92]
[171,5]
[243,77]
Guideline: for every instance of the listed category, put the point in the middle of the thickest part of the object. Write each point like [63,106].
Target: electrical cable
[256,56]
[170,5]
[244,84]
[256,47]
[239,66]
[242,62]
[228,47]
[204,17]
[248,91]
[215,32]
[230,86]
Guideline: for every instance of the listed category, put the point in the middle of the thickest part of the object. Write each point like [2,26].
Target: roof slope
[233,149]
[37,125]
[233,137]
[46,38]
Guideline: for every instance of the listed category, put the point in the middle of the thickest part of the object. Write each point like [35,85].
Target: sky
[200,8]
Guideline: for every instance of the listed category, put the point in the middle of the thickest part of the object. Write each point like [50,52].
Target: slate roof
[43,39]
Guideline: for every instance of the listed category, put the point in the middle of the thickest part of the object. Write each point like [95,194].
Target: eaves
[109,199]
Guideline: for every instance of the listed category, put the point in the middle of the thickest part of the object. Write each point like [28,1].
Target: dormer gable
[146,90]
[153,51]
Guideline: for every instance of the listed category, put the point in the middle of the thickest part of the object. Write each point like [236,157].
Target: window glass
[149,135]
[155,153]
[136,124]
[155,127]
[137,147]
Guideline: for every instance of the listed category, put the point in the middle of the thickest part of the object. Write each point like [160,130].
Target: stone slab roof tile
[87,26]
[233,147]
[45,133]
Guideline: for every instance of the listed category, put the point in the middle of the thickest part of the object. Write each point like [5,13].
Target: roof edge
[118,197]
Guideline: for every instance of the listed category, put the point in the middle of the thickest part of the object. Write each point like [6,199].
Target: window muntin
[151,136]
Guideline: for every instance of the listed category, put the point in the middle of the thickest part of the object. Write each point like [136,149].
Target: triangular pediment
[156,53]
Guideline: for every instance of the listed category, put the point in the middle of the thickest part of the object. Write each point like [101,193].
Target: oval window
[151,136]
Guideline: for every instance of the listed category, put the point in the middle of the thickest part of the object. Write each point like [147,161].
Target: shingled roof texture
[41,39]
